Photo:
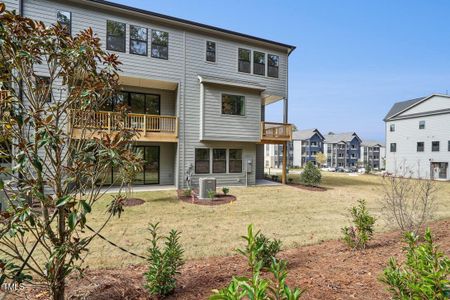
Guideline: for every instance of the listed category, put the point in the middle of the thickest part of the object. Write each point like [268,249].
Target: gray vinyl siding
[12,5]
[187,51]
[222,127]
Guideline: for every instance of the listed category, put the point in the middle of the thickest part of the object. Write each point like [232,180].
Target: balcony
[275,133]
[150,128]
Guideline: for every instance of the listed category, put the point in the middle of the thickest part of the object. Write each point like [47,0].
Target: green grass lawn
[296,216]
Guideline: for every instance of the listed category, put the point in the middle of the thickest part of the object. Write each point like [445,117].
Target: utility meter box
[249,165]
[206,185]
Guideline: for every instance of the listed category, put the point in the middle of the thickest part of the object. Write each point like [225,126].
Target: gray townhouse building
[342,149]
[197,94]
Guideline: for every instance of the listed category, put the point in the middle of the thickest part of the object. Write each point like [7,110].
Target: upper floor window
[235,161]
[422,125]
[392,127]
[448,145]
[420,146]
[244,60]
[202,161]
[115,36]
[435,146]
[259,63]
[233,105]
[210,51]
[273,64]
[160,44]
[138,40]
[65,19]
[393,147]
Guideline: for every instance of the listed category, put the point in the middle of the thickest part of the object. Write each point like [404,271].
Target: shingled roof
[340,137]
[401,106]
[305,134]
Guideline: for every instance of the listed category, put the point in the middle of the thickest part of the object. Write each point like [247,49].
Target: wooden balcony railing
[149,127]
[276,132]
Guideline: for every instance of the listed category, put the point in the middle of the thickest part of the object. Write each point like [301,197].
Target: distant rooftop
[340,137]
[305,134]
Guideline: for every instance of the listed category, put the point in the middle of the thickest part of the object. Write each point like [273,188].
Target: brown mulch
[308,187]
[133,202]
[218,199]
[327,271]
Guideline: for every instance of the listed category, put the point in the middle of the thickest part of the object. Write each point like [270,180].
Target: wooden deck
[150,128]
[275,133]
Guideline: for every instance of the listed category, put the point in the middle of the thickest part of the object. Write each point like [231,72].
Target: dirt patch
[193,199]
[327,271]
[133,202]
[308,187]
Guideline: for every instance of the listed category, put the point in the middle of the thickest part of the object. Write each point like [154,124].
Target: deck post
[109,122]
[283,174]
[145,125]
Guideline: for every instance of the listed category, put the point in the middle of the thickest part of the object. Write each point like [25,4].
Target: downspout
[184,110]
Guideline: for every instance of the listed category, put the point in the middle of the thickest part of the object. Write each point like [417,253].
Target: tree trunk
[58,290]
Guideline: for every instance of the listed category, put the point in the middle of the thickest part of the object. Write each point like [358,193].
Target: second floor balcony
[275,132]
[149,128]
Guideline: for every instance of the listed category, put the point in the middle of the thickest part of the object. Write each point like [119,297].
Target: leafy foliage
[187,192]
[311,175]
[225,190]
[256,287]
[321,158]
[361,232]
[211,194]
[267,249]
[425,273]
[56,173]
[164,264]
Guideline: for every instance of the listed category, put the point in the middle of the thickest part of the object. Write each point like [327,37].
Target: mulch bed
[308,188]
[133,202]
[327,271]
[218,199]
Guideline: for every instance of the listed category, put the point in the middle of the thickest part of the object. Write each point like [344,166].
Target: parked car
[329,169]
[340,169]
[362,170]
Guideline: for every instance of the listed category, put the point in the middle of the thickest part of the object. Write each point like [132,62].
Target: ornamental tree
[55,178]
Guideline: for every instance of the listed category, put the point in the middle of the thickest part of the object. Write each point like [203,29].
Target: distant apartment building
[372,154]
[306,144]
[273,155]
[418,137]
[342,149]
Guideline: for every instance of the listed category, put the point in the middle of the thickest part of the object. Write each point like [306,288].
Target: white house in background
[418,137]
[373,153]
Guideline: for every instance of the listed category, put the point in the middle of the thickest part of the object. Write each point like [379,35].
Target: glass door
[150,172]
[148,104]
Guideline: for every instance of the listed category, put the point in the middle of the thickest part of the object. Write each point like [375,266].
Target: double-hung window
[160,44]
[233,105]
[235,161]
[138,40]
[210,51]
[202,161]
[393,147]
[219,160]
[435,146]
[64,18]
[115,36]
[392,128]
[421,124]
[244,60]
[273,65]
[259,63]
[420,146]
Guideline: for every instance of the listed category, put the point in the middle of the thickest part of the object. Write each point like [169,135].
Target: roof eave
[290,48]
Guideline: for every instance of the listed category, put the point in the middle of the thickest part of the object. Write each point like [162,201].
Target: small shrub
[311,175]
[225,190]
[211,194]
[257,287]
[165,263]
[267,249]
[187,192]
[290,180]
[361,232]
[425,273]
[367,169]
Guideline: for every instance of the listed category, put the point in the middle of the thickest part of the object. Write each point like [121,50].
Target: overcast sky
[353,60]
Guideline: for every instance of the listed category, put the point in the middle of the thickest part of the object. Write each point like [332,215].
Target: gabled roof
[402,106]
[371,143]
[305,134]
[189,23]
[340,137]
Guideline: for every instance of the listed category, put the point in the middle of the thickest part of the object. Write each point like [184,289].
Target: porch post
[285,110]
[283,174]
